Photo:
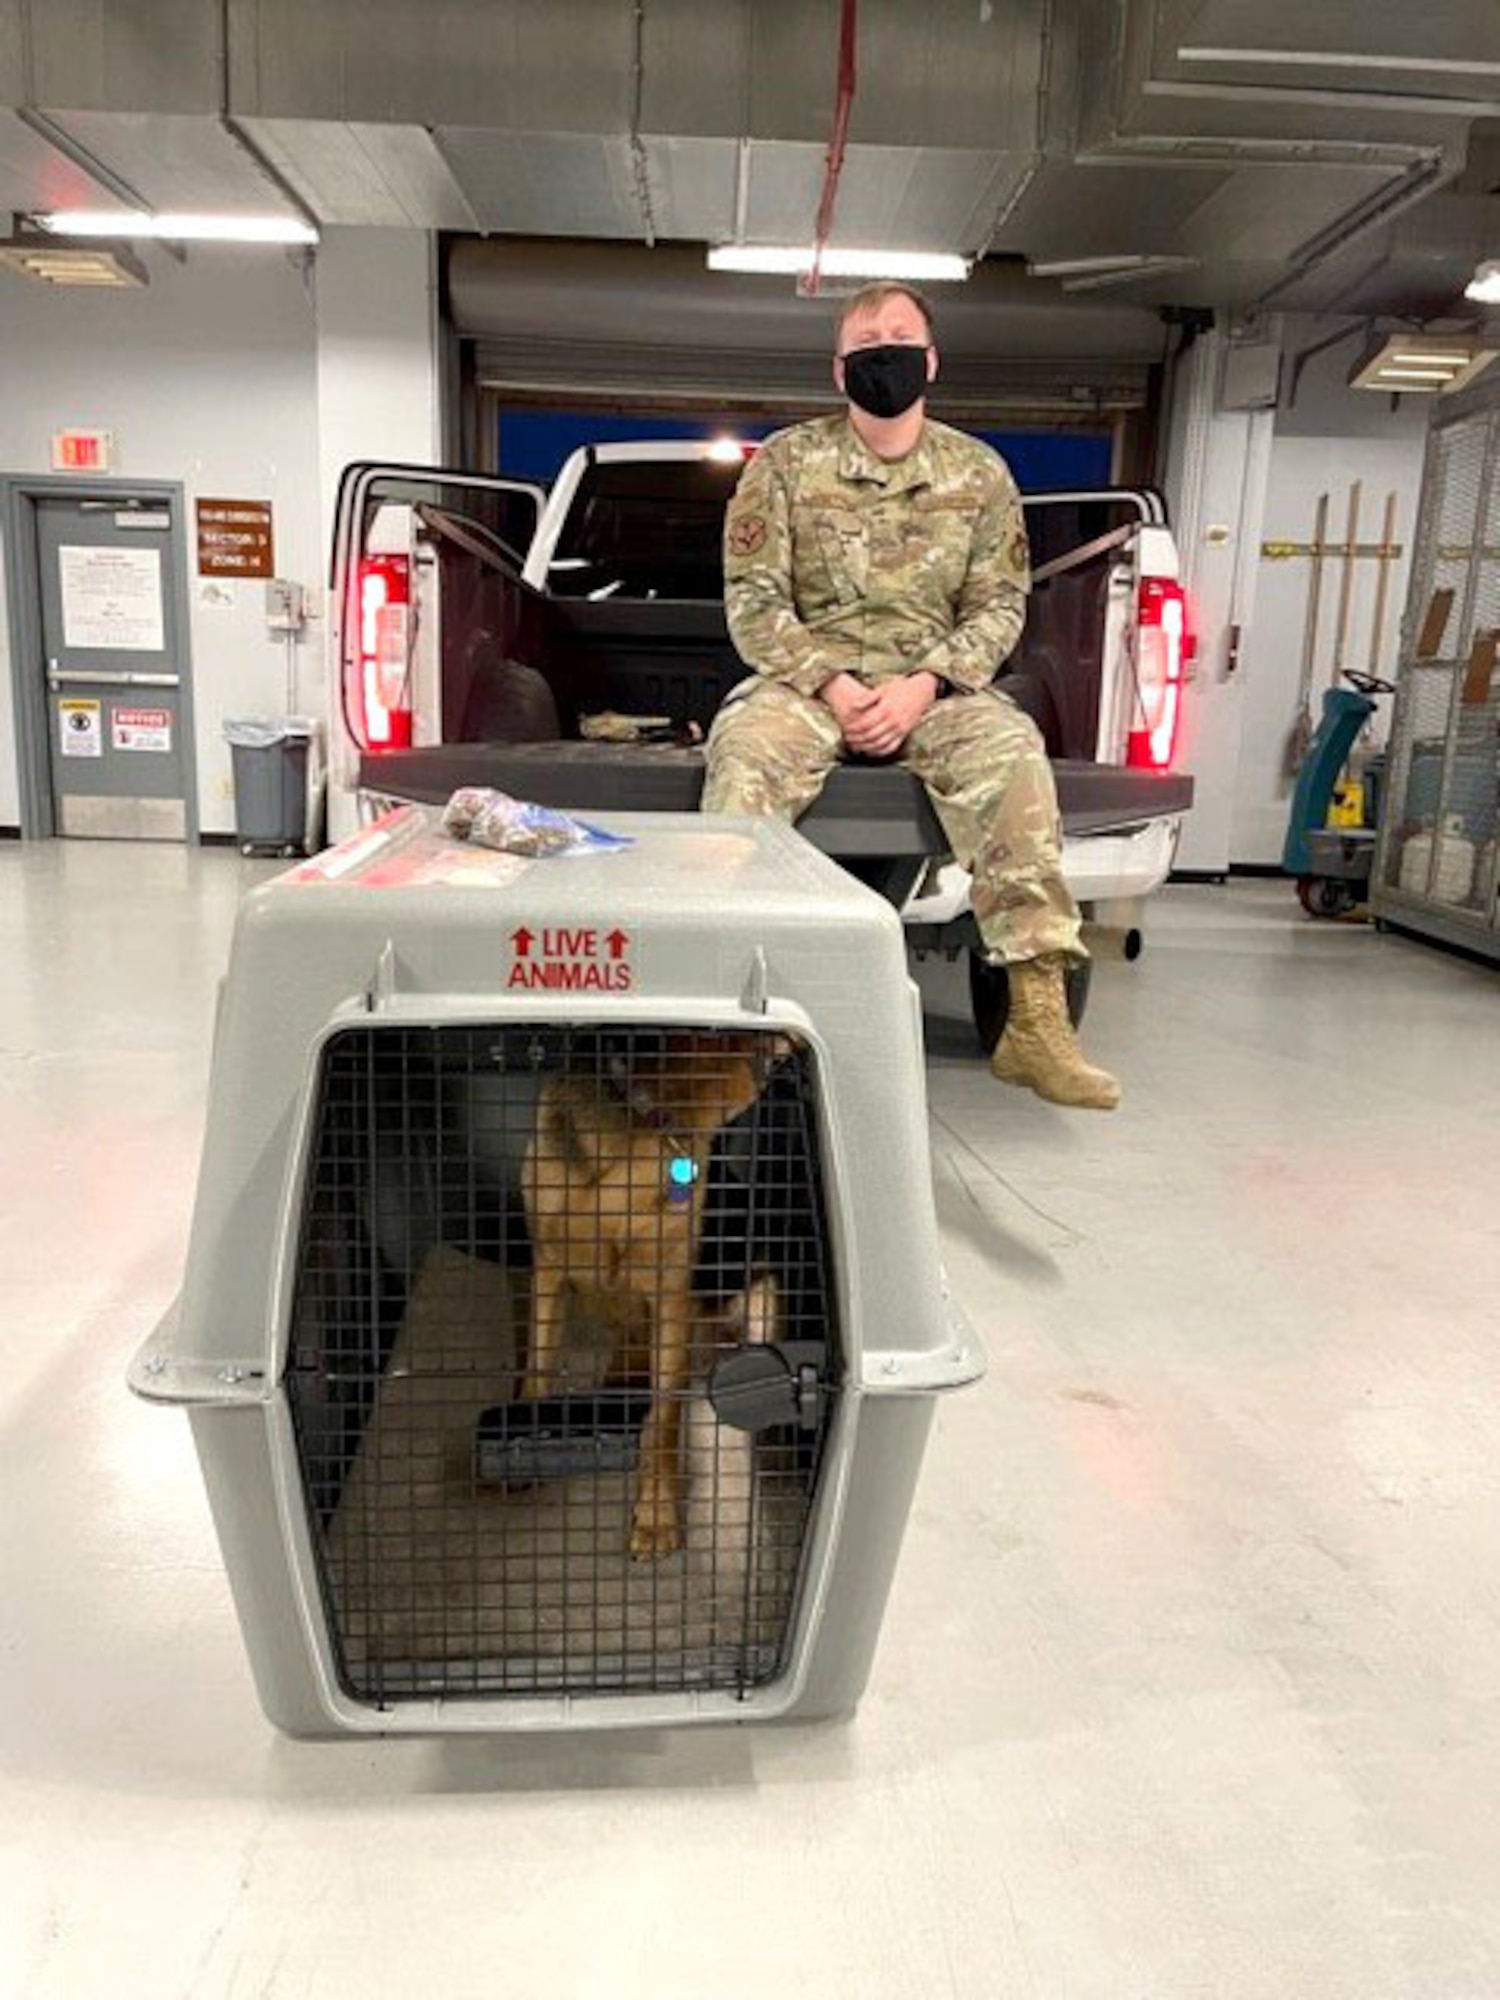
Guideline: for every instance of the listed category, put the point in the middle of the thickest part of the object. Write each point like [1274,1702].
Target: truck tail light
[1163,646]
[382,613]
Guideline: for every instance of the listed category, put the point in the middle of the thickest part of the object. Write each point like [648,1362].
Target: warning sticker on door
[80,729]
[571,960]
[140,728]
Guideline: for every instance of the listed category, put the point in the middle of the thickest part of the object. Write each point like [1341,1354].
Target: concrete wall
[245,377]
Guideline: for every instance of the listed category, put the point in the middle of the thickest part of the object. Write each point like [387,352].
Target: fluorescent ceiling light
[59,264]
[179,228]
[791,260]
[1085,267]
[1485,283]
[1413,364]
[1337,59]
[1155,267]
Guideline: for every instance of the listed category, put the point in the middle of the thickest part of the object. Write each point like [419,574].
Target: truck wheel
[989,997]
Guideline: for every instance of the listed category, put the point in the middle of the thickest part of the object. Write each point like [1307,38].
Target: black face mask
[885,381]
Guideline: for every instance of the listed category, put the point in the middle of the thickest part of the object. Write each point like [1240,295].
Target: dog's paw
[762,1317]
[653,1536]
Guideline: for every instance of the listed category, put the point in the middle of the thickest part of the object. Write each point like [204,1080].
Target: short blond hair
[870,298]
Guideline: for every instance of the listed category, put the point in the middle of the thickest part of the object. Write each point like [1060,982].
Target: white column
[378,374]
[1216,486]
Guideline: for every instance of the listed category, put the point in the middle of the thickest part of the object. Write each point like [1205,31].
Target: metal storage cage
[562,1315]
[1437,868]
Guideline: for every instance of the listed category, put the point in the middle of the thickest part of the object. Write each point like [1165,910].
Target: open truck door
[424,584]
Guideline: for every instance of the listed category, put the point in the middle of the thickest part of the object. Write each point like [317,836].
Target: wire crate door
[564,1358]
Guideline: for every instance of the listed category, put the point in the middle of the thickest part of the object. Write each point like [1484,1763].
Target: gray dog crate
[562,1316]
[1437,868]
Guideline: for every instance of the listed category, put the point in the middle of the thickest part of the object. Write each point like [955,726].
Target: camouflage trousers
[985,769]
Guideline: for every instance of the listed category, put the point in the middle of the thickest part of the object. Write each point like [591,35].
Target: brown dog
[614,1180]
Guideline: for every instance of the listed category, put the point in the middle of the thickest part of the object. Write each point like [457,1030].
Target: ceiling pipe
[1327,97]
[843,107]
[1337,59]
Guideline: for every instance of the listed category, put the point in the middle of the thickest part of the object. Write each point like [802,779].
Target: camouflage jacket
[836,561]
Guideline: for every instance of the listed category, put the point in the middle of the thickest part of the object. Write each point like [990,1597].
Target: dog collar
[682,1168]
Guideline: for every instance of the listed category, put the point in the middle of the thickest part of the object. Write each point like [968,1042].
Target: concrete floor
[1191,1681]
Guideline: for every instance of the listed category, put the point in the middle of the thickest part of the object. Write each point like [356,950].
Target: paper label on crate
[140,728]
[565,958]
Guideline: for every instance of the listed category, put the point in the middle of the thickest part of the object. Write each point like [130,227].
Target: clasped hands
[877,721]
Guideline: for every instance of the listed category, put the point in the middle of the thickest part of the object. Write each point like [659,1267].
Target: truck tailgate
[865,809]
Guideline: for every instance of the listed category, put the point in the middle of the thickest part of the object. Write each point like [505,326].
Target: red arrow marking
[522,940]
[617,941]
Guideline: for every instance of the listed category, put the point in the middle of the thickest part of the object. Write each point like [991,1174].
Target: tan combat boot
[1039,1049]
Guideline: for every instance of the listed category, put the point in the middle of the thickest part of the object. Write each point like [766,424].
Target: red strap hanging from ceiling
[834,165]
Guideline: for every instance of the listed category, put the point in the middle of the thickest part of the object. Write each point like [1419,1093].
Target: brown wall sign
[235,538]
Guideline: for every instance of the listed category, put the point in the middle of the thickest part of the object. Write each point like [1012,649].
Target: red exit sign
[83,451]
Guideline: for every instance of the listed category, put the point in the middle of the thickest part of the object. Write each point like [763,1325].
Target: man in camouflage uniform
[876,576]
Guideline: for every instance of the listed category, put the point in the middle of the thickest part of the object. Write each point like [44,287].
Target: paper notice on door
[79,730]
[140,728]
[111,599]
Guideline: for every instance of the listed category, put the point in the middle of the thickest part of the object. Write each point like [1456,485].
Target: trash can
[270,782]
[563,1317]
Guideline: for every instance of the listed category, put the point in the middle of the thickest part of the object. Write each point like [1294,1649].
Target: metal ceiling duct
[1272,152]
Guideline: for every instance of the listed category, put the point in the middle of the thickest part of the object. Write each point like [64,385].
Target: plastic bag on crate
[515,826]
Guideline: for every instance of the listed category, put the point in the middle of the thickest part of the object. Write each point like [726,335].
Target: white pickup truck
[478,622]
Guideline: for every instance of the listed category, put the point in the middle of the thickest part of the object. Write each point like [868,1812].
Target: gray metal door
[115,663]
